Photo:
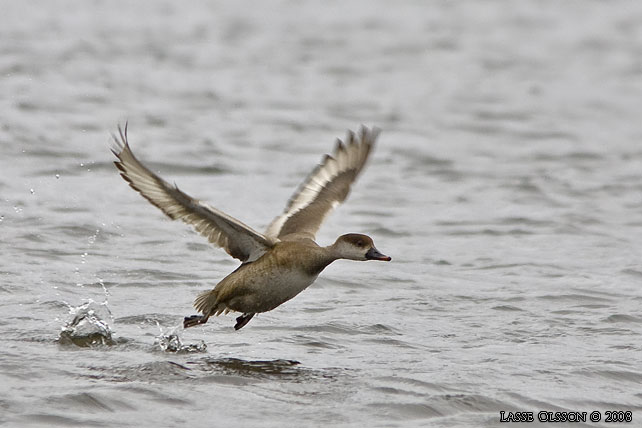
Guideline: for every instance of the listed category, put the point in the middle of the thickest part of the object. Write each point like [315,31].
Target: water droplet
[32,191]
[57,176]
[82,164]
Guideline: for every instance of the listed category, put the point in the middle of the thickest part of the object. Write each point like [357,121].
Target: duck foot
[242,320]
[194,320]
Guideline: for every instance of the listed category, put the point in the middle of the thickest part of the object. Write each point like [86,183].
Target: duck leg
[242,320]
[194,320]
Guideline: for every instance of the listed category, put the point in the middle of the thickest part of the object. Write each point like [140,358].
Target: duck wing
[325,188]
[237,239]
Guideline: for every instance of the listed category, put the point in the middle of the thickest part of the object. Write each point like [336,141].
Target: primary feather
[325,188]
[236,238]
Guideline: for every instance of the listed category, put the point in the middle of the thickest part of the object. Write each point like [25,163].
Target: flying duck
[280,263]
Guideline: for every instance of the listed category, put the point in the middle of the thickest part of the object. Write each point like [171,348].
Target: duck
[283,261]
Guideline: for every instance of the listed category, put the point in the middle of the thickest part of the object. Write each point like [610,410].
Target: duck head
[355,246]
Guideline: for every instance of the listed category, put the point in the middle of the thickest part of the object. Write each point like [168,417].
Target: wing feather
[325,188]
[236,238]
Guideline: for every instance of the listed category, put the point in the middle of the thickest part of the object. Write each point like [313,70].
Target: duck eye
[359,243]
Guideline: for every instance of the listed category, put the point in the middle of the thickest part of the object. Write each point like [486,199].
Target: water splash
[88,325]
[170,341]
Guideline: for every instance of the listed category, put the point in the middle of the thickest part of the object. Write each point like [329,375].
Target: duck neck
[332,253]
[328,255]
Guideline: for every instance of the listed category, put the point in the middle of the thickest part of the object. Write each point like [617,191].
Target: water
[506,186]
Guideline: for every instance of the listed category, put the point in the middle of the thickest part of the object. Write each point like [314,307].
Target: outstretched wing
[237,239]
[325,188]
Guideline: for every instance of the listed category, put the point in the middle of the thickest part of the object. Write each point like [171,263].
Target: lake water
[506,186]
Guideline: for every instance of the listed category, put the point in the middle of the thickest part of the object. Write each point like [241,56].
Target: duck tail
[207,303]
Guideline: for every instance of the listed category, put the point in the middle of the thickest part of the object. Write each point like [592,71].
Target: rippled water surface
[506,186]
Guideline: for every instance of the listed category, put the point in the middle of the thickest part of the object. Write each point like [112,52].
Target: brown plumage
[281,263]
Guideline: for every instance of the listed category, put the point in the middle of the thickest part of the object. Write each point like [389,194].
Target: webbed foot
[242,320]
[194,320]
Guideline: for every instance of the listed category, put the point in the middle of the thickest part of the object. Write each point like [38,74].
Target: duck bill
[374,254]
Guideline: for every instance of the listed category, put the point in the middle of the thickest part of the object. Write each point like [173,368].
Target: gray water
[506,186]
